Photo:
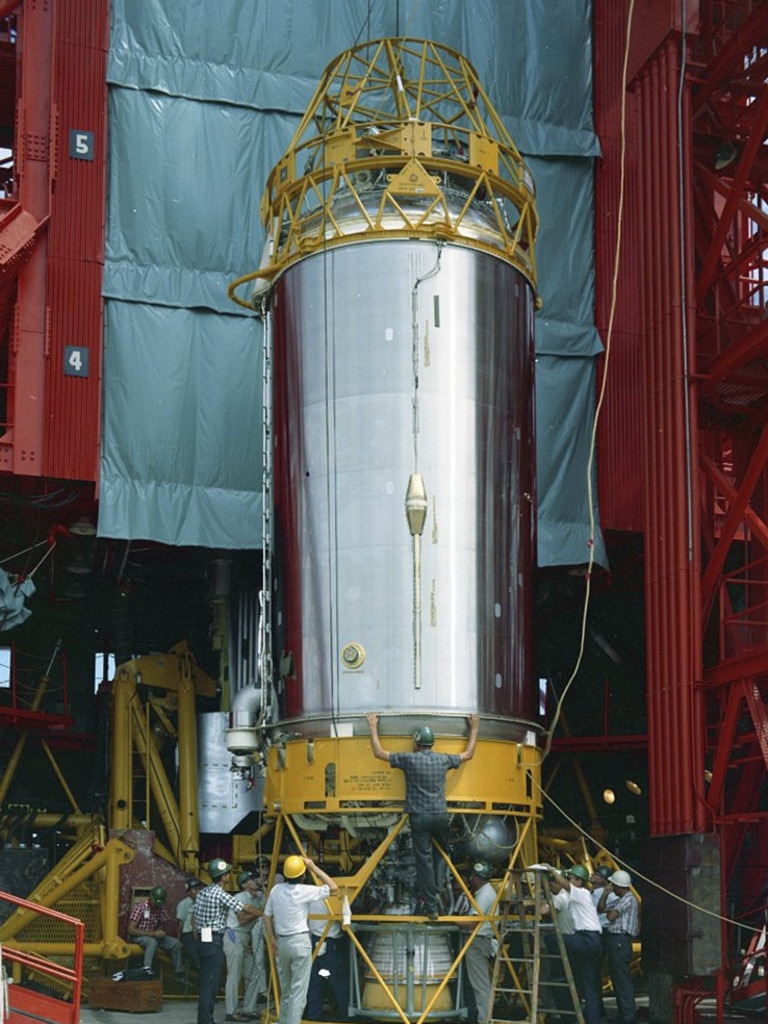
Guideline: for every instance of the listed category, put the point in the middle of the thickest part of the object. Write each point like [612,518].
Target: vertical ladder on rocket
[531,974]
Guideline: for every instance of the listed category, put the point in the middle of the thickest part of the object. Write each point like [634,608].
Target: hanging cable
[631,867]
[603,383]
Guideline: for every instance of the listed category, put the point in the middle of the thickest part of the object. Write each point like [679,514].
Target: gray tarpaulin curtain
[203,100]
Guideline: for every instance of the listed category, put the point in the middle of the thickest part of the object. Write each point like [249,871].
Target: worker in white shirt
[330,967]
[287,928]
[598,880]
[584,946]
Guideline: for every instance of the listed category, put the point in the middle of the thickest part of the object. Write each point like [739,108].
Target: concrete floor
[184,1011]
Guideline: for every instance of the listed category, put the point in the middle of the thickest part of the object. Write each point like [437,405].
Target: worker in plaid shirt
[212,906]
[145,927]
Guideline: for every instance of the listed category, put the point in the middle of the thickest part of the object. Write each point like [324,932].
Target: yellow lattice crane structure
[399,140]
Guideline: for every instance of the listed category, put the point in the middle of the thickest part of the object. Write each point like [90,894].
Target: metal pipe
[245,705]
[676,737]
[700,816]
[666,446]
[679,531]
[102,950]
[648,116]
[690,816]
[121,788]
[189,822]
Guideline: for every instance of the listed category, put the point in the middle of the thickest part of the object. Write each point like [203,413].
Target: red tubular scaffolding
[673,622]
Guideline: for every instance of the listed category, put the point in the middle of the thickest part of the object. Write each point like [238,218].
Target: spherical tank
[395,361]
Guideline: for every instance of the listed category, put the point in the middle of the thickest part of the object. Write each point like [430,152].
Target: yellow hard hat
[294,867]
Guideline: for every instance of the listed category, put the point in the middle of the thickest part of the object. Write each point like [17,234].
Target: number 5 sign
[80,145]
[75,361]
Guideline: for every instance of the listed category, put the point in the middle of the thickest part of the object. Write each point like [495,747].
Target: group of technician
[597,923]
[222,924]
[214,925]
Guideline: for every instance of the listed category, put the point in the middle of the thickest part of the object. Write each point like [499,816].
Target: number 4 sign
[75,361]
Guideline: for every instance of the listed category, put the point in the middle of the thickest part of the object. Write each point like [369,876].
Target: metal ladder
[532,978]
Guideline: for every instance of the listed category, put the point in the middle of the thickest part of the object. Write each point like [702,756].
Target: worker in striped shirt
[623,913]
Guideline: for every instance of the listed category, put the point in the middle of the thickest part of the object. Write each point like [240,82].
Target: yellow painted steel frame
[351,885]
[391,122]
[340,776]
[316,782]
[90,870]
[177,674]
[92,861]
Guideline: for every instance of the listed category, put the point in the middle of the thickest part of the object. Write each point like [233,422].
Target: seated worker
[144,928]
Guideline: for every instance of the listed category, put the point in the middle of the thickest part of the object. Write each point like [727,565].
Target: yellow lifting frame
[397,117]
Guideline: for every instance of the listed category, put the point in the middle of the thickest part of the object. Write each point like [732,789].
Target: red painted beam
[29,343]
[598,744]
[729,62]
[40,721]
[733,520]
[730,670]
[741,175]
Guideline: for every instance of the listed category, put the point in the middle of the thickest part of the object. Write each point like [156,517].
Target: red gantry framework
[692,325]
[52,226]
[728,76]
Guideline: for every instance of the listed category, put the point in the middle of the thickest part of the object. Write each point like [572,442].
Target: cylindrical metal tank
[397,289]
[396,358]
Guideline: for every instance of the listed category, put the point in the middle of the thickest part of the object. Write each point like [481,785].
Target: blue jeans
[330,971]
[191,948]
[430,866]
[585,950]
[211,960]
[619,950]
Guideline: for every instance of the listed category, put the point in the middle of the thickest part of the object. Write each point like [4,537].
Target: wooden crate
[132,996]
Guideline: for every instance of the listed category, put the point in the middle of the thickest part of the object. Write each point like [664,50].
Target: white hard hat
[621,878]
